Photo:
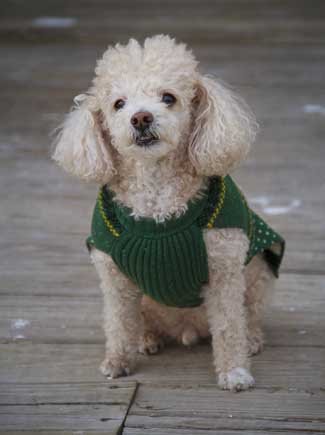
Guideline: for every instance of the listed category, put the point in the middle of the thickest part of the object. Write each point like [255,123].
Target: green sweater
[168,261]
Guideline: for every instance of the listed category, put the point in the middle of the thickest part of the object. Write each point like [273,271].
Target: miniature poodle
[179,253]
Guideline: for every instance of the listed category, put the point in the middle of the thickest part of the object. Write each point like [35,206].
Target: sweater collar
[149,226]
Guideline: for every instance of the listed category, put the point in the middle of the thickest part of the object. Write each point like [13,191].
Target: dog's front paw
[237,379]
[114,367]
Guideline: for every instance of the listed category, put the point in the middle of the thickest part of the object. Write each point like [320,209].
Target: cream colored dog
[193,127]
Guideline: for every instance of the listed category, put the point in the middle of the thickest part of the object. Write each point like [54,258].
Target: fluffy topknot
[160,56]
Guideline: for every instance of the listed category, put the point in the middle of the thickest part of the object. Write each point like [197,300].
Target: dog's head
[147,102]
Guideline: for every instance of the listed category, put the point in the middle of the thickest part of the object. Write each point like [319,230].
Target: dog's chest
[158,199]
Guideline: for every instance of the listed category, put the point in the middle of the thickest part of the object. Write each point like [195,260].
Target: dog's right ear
[82,145]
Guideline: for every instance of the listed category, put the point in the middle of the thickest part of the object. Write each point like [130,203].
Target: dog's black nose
[142,119]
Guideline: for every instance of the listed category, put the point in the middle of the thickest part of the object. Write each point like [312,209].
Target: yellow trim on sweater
[219,205]
[104,217]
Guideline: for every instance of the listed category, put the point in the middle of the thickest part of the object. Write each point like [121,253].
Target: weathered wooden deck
[273,53]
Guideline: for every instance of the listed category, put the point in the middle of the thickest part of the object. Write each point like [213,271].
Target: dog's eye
[119,104]
[168,99]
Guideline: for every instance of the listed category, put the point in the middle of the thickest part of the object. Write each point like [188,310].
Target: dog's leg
[260,280]
[122,317]
[153,337]
[226,311]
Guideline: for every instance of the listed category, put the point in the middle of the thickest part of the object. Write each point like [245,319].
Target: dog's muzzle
[145,135]
[146,139]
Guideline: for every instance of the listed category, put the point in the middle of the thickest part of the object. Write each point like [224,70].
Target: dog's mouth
[146,139]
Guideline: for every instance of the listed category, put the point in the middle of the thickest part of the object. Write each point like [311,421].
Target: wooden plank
[307,207]
[98,406]
[239,65]
[56,243]
[207,408]
[60,273]
[268,103]
[60,432]
[277,367]
[216,22]
[183,425]
[56,417]
[180,431]
[71,280]
[52,319]
[239,8]
[112,393]
[58,246]
[289,148]
[295,316]
[260,166]
[47,241]
[74,280]
[166,407]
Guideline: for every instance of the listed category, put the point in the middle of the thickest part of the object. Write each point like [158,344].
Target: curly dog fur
[206,130]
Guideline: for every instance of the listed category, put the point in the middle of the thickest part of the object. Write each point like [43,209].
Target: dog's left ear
[223,130]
